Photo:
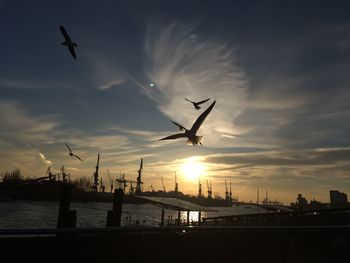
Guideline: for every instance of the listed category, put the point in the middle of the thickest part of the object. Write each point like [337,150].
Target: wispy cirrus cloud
[8,83]
[300,98]
[146,135]
[23,84]
[112,83]
[183,64]
[105,73]
[16,125]
[305,157]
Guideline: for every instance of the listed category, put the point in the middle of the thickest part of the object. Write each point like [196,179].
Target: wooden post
[188,217]
[114,216]
[178,217]
[66,217]
[162,218]
[199,218]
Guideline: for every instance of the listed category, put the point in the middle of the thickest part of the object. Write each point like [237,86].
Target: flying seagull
[68,42]
[191,134]
[71,154]
[196,104]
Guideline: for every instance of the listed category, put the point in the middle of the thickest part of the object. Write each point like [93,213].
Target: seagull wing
[68,148]
[174,136]
[179,125]
[78,157]
[189,100]
[201,118]
[71,50]
[203,101]
[65,34]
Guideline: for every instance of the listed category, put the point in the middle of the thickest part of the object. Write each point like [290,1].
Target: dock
[179,244]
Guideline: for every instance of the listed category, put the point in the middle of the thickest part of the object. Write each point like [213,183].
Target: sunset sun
[192,168]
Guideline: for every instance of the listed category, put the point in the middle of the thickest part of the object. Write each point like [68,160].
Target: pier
[183,244]
[314,217]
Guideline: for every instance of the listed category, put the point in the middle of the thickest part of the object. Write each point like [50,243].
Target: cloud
[312,172]
[21,137]
[43,158]
[311,157]
[112,83]
[16,125]
[146,135]
[23,84]
[7,83]
[183,64]
[106,74]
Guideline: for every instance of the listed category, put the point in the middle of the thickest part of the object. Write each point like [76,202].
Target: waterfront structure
[338,199]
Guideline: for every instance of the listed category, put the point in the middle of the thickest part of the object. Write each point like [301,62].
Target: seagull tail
[198,139]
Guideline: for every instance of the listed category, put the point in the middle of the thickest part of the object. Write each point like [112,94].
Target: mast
[102,185]
[95,185]
[176,185]
[139,181]
[209,189]
[199,187]
[226,191]
[131,190]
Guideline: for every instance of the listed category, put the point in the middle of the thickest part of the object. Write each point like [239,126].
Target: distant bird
[68,42]
[191,134]
[71,154]
[196,104]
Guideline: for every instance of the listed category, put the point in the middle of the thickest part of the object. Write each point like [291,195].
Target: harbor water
[36,214]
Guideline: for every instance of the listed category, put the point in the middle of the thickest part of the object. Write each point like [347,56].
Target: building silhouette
[338,199]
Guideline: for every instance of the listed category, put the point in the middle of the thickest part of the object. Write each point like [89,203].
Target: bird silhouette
[191,134]
[196,104]
[68,42]
[71,154]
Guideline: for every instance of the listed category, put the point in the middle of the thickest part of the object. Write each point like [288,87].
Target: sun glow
[192,168]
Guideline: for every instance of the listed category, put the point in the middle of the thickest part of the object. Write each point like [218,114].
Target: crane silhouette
[68,42]
[71,154]
[192,133]
[196,104]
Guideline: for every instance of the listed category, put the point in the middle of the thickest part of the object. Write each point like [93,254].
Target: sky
[279,72]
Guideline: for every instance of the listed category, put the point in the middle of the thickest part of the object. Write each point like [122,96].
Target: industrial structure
[176,185]
[199,187]
[210,192]
[139,179]
[95,175]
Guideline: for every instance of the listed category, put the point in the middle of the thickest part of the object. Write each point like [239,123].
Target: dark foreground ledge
[181,244]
